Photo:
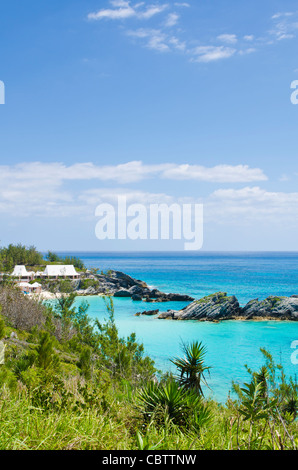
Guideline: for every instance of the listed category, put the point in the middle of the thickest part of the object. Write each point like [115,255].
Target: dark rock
[148,312]
[125,280]
[122,293]
[155,293]
[282,308]
[168,315]
[218,306]
[136,297]
[179,298]
[136,290]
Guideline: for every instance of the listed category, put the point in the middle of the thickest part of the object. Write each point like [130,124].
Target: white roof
[20,271]
[36,284]
[24,284]
[60,270]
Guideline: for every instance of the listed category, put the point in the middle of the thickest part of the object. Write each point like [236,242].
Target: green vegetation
[217,298]
[191,367]
[55,259]
[85,283]
[70,382]
[29,256]
[19,254]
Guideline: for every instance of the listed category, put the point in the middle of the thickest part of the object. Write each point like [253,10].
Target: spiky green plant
[164,403]
[191,367]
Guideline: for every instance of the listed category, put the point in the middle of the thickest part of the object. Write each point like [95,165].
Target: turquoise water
[230,344]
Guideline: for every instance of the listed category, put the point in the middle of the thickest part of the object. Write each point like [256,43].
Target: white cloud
[92,197]
[123,10]
[33,174]
[218,174]
[285,25]
[228,38]
[155,38]
[184,4]
[171,20]
[280,15]
[249,37]
[43,189]
[212,53]
[251,204]
[249,50]
[152,11]
[177,44]
[119,14]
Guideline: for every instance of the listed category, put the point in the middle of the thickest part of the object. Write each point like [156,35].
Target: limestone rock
[282,308]
[217,306]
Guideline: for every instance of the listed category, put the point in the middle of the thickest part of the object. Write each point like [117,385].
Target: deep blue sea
[230,344]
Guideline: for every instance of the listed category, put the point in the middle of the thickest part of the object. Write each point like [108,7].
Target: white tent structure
[56,270]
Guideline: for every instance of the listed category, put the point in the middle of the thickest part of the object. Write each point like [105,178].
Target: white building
[56,270]
[21,273]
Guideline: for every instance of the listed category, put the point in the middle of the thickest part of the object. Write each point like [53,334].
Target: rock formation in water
[214,307]
[119,284]
[219,306]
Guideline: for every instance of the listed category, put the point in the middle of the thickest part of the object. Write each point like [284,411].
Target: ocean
[230,344]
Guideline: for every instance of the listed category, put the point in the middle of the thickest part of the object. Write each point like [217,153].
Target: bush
[164,403]
[22,312]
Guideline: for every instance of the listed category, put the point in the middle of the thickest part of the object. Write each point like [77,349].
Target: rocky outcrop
[122,293]
[137,297]
[280,308]
[218,306]
[147,312]
[120,284]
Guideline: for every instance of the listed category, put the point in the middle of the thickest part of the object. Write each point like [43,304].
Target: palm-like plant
[164,403]
[191,367]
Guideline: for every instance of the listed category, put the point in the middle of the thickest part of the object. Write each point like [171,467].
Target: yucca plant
[170,403]
[191,367]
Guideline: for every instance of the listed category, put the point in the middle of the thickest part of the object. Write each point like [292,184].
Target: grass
[24,427]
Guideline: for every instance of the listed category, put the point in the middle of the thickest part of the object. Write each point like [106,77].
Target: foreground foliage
[69,382]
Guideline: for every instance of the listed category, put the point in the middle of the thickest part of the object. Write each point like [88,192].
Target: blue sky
[161,101]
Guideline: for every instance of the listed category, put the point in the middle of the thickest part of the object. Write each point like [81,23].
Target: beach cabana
[35,288]
[25,287]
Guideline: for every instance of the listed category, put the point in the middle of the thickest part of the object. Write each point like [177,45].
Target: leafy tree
[19,254]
